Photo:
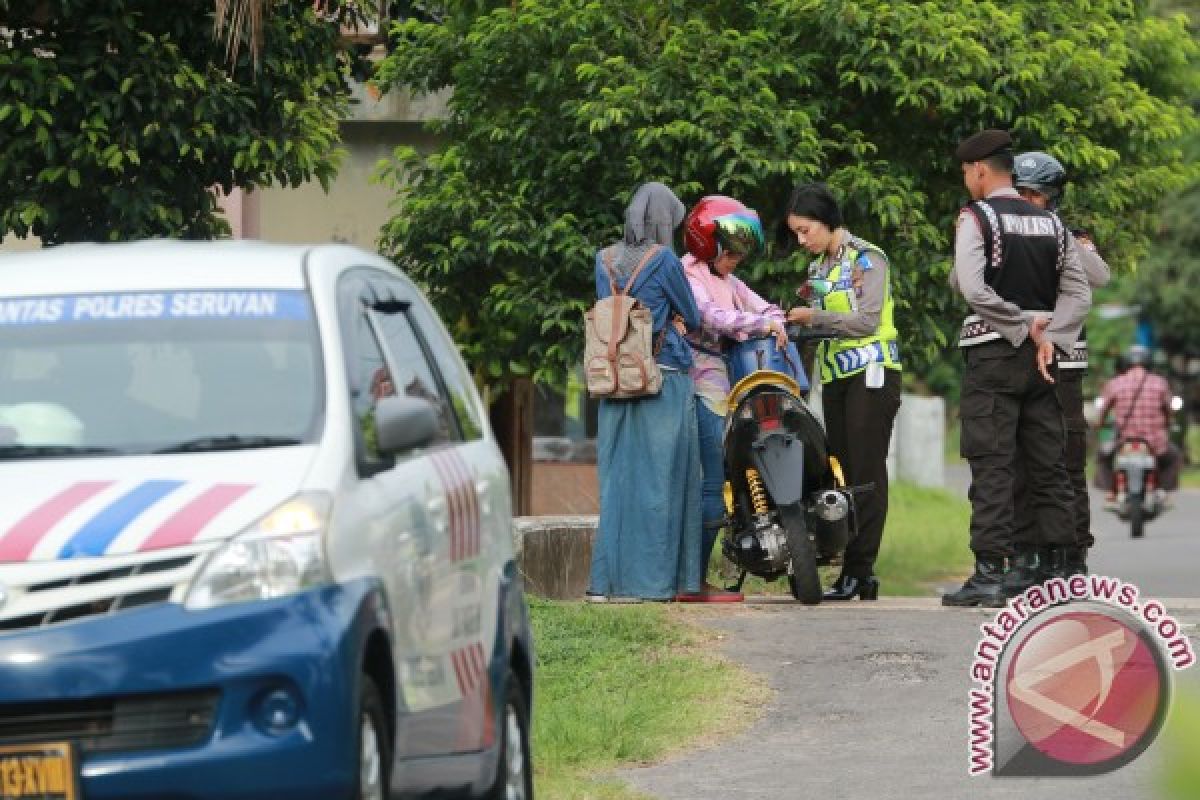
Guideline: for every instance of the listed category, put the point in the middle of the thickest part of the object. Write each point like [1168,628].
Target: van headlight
[281,554]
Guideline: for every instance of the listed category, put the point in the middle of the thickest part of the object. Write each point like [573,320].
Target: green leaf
[97,146]
[561,108]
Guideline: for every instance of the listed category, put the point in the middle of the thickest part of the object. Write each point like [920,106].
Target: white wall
[13,244]
[917,451]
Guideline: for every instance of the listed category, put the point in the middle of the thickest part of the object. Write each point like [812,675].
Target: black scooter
[789,508]
[1135,472]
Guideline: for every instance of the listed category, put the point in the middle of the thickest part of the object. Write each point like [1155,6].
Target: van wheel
[374,747]
[514,777]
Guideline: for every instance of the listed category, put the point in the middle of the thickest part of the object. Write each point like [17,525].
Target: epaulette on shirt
[864,247]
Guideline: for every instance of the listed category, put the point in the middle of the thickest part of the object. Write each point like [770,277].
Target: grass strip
[1180,779]
[926,539]
[1190,478]
[625,685]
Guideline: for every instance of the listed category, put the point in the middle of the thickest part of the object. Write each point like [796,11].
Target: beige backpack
[619,349]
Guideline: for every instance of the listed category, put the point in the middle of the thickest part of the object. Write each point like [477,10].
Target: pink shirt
[1147,417]
[729,308]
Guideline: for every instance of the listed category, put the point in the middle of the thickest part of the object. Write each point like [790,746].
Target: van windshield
[149,372]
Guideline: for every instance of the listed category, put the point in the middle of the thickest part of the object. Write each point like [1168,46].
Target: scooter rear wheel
[804,580]
[1137,516]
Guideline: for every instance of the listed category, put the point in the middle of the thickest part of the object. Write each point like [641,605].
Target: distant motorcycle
[788,505]
[1136,481]
[1135,470]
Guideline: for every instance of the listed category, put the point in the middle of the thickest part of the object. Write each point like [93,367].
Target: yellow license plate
[38,772]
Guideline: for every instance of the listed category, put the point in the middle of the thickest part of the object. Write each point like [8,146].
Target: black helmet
[1041,172]
[1137,355]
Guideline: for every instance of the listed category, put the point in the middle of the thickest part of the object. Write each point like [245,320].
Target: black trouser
[858,422]
[1069,389]
[1007,407]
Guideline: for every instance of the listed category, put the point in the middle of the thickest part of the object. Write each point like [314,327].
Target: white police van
[255,534]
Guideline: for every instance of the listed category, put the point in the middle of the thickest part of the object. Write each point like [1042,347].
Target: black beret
[982,145]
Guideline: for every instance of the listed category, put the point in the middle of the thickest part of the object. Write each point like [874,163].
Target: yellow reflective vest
[841,358]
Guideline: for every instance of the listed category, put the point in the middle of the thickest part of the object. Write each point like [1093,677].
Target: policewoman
[1028,296]
[860,371]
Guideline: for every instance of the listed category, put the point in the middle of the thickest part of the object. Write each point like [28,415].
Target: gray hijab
[651,218]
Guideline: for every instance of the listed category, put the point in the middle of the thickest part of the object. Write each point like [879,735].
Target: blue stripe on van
[100,531]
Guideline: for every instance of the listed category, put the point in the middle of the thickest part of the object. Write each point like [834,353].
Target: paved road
[1165,563]
[870,704]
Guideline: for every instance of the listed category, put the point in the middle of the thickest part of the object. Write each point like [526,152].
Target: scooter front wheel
[803,578]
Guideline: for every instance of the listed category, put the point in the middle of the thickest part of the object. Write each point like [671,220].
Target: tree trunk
[511,414]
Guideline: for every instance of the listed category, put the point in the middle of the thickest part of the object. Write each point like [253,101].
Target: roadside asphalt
[870,703]
[870,700]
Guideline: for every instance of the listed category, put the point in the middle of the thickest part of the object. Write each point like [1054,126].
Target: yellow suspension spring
[758,492]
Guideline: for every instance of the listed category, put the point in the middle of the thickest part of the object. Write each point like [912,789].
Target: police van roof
[155,265]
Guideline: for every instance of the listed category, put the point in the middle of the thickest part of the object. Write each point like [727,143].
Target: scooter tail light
[769,410]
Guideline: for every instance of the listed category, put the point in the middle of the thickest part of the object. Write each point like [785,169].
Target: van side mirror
[403,423]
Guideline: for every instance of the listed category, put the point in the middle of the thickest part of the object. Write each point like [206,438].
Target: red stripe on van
[458,672]
[452,510]
[472,506]
[20,540]
[185,524]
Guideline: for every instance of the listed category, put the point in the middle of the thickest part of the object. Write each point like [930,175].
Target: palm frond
[237,17]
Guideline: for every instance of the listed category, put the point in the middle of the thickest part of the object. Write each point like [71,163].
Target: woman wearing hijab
[720,233]
[860,373]
[648,541]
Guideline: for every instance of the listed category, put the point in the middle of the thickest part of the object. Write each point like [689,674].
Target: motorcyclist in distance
[1140,403]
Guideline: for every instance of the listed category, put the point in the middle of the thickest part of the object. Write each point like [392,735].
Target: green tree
[118,117]
[1167,280]
[560,107]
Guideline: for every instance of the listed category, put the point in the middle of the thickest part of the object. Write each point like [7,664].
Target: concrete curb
[554,554]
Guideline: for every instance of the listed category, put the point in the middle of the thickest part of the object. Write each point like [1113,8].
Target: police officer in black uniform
[1028,297]
[1041,179]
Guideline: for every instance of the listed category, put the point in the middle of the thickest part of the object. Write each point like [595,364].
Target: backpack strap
[612,278]
[607,264]
[618,315]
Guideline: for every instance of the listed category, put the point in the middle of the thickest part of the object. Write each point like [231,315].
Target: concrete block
[554,554]
[916,452]
[920,440]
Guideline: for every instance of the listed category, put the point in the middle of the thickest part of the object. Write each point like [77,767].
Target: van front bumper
[251,700]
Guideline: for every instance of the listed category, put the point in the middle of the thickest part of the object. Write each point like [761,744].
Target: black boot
[984,588]
[1077,560]
[1045,564]
[847,587]
[1024,570]
[1067,561]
